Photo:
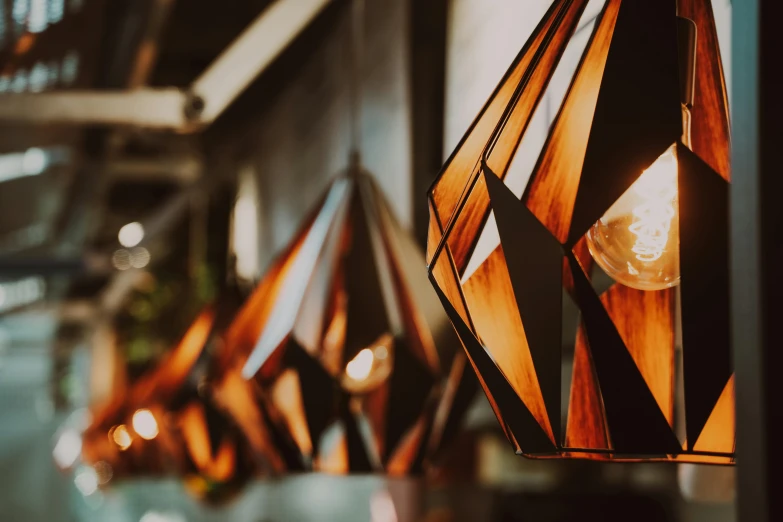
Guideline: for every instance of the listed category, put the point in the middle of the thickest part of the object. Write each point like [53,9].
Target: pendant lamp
[340,336]
[167,424]
[612,249]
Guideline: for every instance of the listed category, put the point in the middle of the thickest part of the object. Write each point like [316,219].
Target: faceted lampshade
[167,424]
[649,371]
[341,341]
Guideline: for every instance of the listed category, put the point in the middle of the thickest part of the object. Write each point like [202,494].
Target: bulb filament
[657,189]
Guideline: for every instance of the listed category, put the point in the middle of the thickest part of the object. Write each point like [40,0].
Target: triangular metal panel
[434,232]
[408,457]
[555,180]
[296,279]
[358,458]
[637,115]
[411,384]
[463,164]
[704,270]
[413,297]
[534,258]
[506,139]
[586,425]
[718,432]
[443,274]
[645,321]
[367,316]
[500,149]
[282,442]
[489,294]
[636,423]
[460,389]
[318,391]
[523,426]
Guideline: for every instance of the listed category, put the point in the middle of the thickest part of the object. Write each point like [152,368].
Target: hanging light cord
[357,47]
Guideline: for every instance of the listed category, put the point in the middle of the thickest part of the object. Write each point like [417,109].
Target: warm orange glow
[172,372]
[222,466]
[121,437]
[194,431]
[718,432]
[492,306]
[287,396]
[186,353]
[401,460]
[144,424]
[334,336]
[236,397]
[241,336]
[24,43]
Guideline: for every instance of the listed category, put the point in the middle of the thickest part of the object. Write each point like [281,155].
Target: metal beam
[171,108]
[756,230]
[184,169]
[251,53]
[428,22]
[145,107]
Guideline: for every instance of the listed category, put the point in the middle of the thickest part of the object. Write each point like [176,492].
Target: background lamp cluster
[305,376]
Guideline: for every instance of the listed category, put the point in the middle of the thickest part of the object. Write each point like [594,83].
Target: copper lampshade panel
[340,336]
[507,253]
[167,424]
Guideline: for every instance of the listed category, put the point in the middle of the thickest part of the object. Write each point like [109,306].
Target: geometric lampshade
[339,337]
[167,424]
[601,267]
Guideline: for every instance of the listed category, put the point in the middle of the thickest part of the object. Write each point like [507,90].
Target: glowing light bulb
[370,366]
[131,234]
[145,425]
[637,241]
[121,437]
[359,367]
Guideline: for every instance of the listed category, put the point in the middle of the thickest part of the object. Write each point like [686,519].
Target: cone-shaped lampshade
[167,423]
[340,341]
[634,176]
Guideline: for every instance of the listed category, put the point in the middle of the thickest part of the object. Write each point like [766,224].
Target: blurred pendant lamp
[340,336]
[167,423]
[612,247]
